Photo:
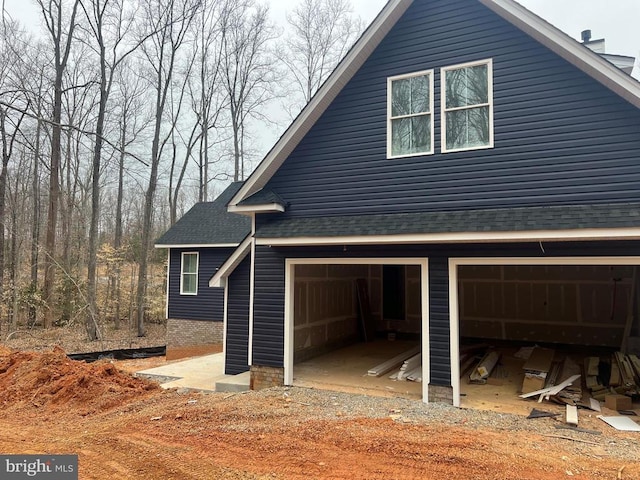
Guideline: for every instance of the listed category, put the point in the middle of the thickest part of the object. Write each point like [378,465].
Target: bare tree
[61,30]
[207,99]
[109,23]
[321,32]
[248,68]
[12,113]
[169,20]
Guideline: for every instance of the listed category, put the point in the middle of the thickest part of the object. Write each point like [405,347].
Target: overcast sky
[618,21]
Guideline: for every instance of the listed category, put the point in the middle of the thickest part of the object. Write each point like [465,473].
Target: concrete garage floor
[346,369]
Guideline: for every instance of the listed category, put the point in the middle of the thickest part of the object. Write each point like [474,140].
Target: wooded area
[115,118]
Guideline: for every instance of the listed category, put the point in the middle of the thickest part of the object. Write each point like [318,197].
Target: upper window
[189,274]
[467,106]
[410,114]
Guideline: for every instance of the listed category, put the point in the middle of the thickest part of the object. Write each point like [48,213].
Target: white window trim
[182,272]
[390,80]
[443,110]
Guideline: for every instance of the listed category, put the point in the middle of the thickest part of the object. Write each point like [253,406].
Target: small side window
[467,106]
[189,274]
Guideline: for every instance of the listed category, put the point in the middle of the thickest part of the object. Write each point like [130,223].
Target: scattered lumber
[415,375]
[409,365]
[547,392]
[484,368]
[392,363]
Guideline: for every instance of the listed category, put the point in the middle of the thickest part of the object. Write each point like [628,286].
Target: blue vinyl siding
[268,342]
[560,136]
[237,343]
[208,304]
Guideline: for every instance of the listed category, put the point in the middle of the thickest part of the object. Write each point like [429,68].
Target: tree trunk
[35,226]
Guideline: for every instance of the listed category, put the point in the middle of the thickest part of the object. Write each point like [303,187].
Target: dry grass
[73,339]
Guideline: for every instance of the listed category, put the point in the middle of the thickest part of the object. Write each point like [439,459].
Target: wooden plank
[626,372]
[482,371]
[408,365]
[392,363]
[591,366]
[630,311]
[552,390]
[415,375]
[540,360]
[572,415]
[367,321]
[614,378]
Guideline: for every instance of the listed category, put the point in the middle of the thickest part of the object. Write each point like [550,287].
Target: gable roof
[571,50]
[208,224]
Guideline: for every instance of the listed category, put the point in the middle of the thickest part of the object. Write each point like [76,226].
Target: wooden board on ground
[572,415]
[392,363]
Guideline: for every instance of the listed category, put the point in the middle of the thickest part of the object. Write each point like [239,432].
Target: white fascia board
[248,209]
[218,279]
[571,50]
[202,245]
[345,70]
[463,237]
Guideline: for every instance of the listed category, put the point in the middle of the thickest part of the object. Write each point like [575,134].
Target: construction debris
[621,423]
[484,368]
[536,369]
[392,363]
[535,413]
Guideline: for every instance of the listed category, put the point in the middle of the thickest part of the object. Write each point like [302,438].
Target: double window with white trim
[466,110]
[189,273]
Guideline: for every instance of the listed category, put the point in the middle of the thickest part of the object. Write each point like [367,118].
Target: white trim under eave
[454,313]
[345,70]
[289,307]
[196,245]
[248,209]
[571,50]
[464,237]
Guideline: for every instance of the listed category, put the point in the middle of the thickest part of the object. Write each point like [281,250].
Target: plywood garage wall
[562,304]
[326,308]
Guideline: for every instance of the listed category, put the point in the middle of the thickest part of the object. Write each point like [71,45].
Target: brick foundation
[266,377]
[438,394]
[189,338]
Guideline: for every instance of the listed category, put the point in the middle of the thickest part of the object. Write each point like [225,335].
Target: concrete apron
[204,374]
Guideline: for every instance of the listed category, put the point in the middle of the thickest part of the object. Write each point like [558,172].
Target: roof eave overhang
[587,234]
[582,57]
[196,245]
[249,209]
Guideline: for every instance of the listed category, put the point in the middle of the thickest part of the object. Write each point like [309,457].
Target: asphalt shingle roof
[209,223]
[494,220]
[264,197]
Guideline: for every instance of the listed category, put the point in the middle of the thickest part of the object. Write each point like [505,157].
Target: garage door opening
[347,318]
[543,322]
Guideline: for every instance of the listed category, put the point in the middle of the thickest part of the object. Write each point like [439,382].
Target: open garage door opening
[532,326]
[348,321]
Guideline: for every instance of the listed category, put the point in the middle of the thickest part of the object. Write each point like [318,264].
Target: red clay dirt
[123,427]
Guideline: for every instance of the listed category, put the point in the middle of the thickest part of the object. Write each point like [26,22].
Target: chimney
[586,36]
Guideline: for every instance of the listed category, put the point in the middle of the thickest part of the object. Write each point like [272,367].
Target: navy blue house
[473,152]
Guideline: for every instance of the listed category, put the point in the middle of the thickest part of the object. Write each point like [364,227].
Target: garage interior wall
[326,306]
[585,305]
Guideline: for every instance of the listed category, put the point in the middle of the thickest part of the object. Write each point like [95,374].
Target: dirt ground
[124,427]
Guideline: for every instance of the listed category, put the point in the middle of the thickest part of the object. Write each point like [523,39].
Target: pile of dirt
[51,380]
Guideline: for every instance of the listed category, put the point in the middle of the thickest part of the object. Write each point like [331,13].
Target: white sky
[618,21]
